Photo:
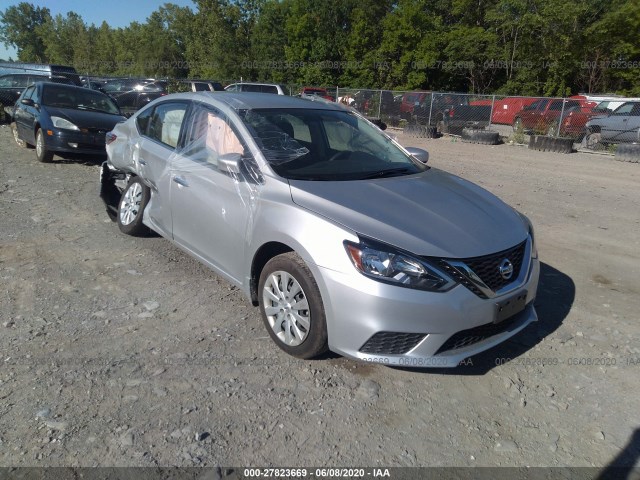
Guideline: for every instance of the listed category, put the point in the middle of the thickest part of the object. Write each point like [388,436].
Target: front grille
[460,278]
[487,267]
[391,343]
[471,336]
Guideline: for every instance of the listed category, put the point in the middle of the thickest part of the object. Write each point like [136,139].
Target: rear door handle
[181,181]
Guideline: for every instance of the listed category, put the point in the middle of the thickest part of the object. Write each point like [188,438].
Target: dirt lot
[124,351]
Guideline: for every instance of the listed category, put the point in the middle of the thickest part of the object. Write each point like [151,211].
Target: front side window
[624,109]
[340,145]
[208,136]
[28,93]
[165,123]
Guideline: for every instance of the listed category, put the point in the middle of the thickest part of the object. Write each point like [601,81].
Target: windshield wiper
[392,172]
[93,109]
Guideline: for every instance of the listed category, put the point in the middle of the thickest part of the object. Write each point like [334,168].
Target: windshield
[78,99]
[305,144]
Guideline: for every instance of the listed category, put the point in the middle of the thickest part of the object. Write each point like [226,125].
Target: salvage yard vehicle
[62,119]
[620,126]
[549,117]
[256,88]
[132,94]
[451,112]
[344,239]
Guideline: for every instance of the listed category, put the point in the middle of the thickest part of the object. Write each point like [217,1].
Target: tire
[551,144]
[552,130]
[42,154]
[131,207]
[483,137]
[304,337]
[14,129]
[628,153]
[517,125]
[592,140]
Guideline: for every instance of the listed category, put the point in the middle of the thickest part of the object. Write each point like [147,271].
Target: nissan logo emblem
[506,269]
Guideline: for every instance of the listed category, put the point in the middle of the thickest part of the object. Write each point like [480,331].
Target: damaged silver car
[344,239]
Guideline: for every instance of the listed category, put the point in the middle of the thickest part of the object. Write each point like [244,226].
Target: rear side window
[635,111]
[252,88]
[269,89]
[200,87]
[165,123]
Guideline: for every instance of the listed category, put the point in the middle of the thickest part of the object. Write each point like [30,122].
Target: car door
[631,125]
[531,114]
[212,207]
[614,128]
[25,115]
[160,131]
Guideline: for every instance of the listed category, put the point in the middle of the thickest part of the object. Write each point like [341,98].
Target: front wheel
[291,306]
[42,154]
[14,129]
[517,125]
[131,208]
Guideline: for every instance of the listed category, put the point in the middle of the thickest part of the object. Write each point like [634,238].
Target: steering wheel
[343,153]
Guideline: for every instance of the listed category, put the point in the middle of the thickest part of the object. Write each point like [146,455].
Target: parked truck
[548,116]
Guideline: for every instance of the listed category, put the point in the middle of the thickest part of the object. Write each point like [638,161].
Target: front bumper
[359,309]
[71,141]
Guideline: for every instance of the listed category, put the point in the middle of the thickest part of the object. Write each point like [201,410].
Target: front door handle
[142,162]
[180,181]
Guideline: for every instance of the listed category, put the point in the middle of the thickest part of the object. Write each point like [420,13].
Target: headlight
[59,122]
[385,264]
[534,249]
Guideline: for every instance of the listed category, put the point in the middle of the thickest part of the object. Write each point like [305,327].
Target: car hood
[86,118]
[432,214]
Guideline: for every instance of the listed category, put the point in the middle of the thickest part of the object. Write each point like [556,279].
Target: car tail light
[109,138]
[451,113]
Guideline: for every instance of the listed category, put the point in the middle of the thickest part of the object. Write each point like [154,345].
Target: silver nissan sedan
[344,239]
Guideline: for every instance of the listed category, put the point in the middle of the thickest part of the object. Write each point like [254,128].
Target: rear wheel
[42,154]
[291,306]
[552,130]
[131,208]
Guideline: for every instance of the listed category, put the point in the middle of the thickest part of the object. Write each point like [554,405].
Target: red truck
[543,117]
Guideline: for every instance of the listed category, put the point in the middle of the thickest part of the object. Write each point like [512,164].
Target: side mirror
[419,154]
[28,102]
[230,162]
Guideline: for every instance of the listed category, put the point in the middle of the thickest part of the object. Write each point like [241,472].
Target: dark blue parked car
[64,119]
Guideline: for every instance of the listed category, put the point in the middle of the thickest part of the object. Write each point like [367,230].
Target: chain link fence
[597,124]
[450,112]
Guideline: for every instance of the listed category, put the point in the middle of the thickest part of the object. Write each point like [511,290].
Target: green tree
[268,41]
[18,28]
[317,34]
[364,38]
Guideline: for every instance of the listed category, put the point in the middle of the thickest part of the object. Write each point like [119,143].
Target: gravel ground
[118,351]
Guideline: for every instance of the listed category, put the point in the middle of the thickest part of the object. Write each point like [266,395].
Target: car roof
[255,83]
[247,101]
